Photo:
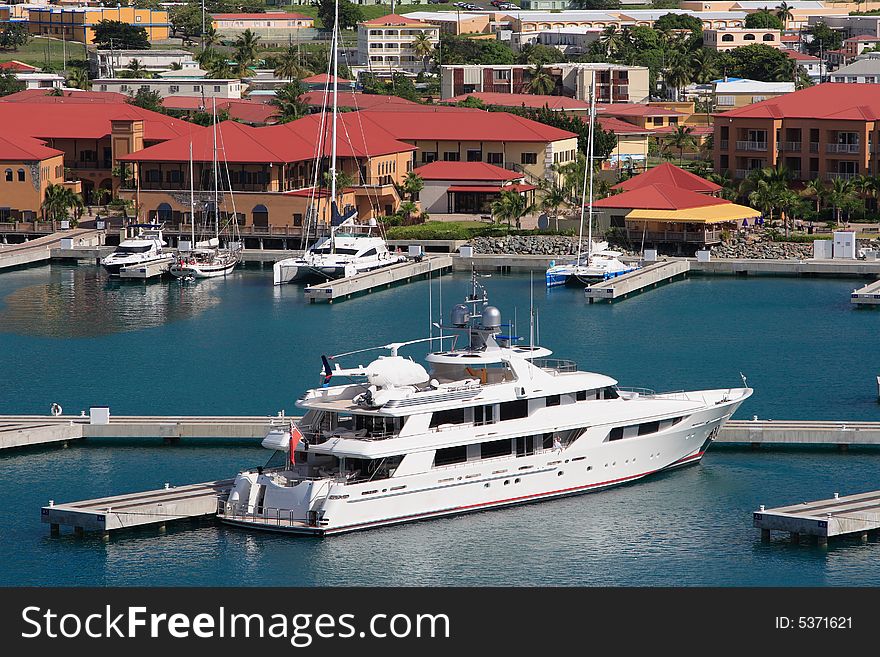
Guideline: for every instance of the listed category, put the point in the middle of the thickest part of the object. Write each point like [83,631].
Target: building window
[726,101]
[21,175]
[216,88]
[474,155]
[529,158]
[8,175]
[514,410]
[769,37]
[495,158]
[451,156]
[173,89]
[197,87]
[748,37]
[297,219]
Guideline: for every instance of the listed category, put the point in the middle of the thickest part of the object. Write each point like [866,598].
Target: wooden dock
[154,507]
[649,276]
[867,295]
[345,288]
[851,515]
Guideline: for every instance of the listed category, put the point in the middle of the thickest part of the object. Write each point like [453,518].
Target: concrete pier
[850,515]
[757,433]
[867,295]
[636,281]
[771,267]
[154,507]
[344,288]
[40,249]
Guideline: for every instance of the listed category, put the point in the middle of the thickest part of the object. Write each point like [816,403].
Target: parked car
[471,7]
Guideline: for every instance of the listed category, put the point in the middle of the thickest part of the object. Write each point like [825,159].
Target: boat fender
[56,409]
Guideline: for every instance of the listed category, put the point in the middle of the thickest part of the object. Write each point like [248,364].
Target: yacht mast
[192,199]
[590,168]
[216,185]
[334,45]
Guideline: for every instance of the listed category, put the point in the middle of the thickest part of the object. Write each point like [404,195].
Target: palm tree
[176,66]
[682,138]
[553,198]
[540,82]
[246,49]
[728,186]
[288,65]
[511,206]
[58,201]
[572,174]
[678,73]
[100,196]
[783,12]
[704,68]
[343,181]
[79,78]
[815,189]
[422,48]
[841,196]
[219,68]
[612,39]
[210,37]
[136,68]
[407,209]
[288,100]
[413,183]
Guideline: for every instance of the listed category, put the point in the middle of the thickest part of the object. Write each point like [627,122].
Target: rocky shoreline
[547,245]
[763,250]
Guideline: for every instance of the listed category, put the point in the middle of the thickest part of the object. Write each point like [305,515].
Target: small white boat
[145,248]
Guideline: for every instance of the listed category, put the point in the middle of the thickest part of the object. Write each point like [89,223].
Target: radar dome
[491,318]
[460,315]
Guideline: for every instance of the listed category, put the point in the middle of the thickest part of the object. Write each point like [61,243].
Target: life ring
[56,409]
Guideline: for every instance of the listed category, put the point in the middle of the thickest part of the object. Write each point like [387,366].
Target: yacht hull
[588,464]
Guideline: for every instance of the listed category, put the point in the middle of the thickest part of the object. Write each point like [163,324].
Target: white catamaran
[208,258]
[598,263]
[490,424]
[351,247]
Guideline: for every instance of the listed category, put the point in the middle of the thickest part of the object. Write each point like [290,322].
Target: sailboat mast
[192,199]
[335,55]
[590,168]
[214,163]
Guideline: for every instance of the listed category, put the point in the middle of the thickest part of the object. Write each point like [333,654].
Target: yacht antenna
[590,167]
[531,310]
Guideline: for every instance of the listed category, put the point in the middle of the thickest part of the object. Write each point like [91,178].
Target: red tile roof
[76,120]
[465,171]
[24,149]
[18,66]
[635,109]
[669,175]
[619,127]
[249,111]
[790,37]
[323,78]
[658,197]
[354,100]
[266,16]
[862,38]
[800,56]
[491,189]
[290,142]
[535,101]
[392,19]
[69,96]
[462,124]
[831,100]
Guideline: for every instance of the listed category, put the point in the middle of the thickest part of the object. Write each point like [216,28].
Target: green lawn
[35,53]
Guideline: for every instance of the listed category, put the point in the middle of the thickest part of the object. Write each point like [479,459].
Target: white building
[811,64]
[865,70]
[41,80]
[107,63]
[200,87]
[568,40]
[386,43]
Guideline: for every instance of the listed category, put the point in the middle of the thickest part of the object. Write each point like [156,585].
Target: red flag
[295,437]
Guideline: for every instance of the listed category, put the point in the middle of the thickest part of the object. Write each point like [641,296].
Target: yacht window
[340,251]
[371,469]
[376,425]
[132,249]
[450,455]
[610,393]
[483,415]
[586,395]
[547,442]
[525,445]
[648,427]
[665,424]
[616,433]
[449,416]
[369,253]
[495,448]
[513,410]
[553,400]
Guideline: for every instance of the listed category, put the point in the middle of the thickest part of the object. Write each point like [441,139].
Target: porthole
[589,467]
[506,482]
[559,474]
[516,481]
[486,485]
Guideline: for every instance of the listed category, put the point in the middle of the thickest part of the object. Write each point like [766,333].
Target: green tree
[612,39]
[413,184]
[761,62]
[422,48]
[148,100]
[124,36]
[208,118]
[539,54]
[669,22]
[511,206]
[553,199]
[822,38]
[681,139]
[540,82]
[815,189]
[783,12]
[9,84]
[13,36]
[841,196]
[246,48]
[136,69]
[595,4]
[79,78]
[349,14]
[763,20]
[462,50]
[471,101]
[59,201]
[288,66]
[186,21]
[289,103]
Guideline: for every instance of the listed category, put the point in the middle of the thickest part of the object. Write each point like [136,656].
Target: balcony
[841,148]
[840,175]
[725,144]
[814,147]
[744,173]
[792,146]
[751,145]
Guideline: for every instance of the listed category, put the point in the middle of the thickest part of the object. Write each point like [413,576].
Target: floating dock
[852,515]
[345,288]
[649,276]
[148,270]
[799,433]
[154,507]
[867,295]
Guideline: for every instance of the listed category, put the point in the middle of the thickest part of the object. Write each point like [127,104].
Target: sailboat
[352,247]
[207,258]
[598,263]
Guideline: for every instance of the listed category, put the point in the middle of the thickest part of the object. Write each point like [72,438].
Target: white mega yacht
[146,247]
[491,424]
[350,249]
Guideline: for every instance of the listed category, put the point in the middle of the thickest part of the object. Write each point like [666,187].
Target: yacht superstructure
[145,248]
[491,424]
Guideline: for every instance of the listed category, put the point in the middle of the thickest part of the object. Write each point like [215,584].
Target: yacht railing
[629,392]
[559,365]
[268,515]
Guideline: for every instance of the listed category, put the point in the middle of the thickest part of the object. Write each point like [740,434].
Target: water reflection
[80,302]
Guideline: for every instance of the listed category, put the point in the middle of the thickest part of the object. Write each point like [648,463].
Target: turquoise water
[240,346]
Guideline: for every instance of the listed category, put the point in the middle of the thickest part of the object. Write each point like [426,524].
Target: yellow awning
[710,214]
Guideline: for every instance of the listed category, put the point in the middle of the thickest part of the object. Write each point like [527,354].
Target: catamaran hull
[584,466]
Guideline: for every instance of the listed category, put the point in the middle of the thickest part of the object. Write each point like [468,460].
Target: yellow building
[27,168]
[78,24]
